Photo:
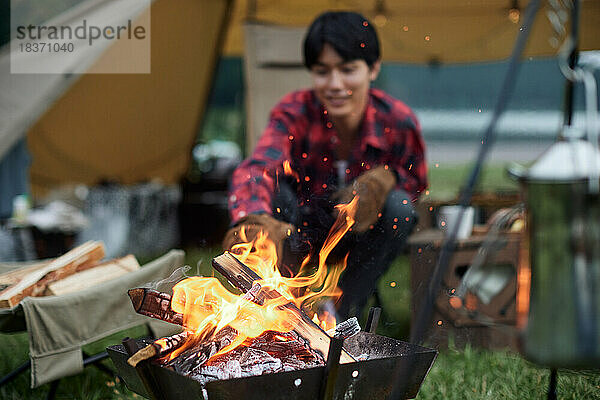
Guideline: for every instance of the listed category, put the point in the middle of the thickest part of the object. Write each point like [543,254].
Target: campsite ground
[457,373]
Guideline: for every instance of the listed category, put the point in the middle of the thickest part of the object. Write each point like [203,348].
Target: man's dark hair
[350,34]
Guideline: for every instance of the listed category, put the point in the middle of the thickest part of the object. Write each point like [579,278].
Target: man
[341,138]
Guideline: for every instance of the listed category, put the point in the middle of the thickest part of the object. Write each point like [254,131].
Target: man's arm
[408,157]
[253,183]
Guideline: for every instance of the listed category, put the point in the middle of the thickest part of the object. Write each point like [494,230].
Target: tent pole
[573,56]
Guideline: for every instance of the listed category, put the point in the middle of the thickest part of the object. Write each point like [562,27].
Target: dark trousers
[369,254]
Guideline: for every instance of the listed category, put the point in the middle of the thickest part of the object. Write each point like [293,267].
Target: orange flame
[287,169]
[208,307]
[326,320]
[523,283]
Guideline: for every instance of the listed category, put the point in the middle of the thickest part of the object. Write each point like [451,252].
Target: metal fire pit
[371,379]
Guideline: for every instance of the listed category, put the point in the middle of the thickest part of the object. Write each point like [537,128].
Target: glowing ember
[208,307]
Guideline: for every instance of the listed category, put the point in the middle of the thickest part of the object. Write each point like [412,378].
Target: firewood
[93,276]
[292,344]
[157,305]
[10,278]
[35,283]
[159,348]
[345,329]
[242,277]
[270,352]
[154,304]
[202,350]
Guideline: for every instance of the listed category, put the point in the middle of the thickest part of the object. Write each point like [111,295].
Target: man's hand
[372,188]
[276,230]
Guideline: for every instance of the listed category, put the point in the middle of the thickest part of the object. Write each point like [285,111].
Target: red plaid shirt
[300,132]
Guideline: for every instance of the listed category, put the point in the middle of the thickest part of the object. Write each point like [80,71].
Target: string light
[514,12]
[381,13]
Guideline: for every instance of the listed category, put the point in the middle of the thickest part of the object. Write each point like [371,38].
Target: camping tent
[135,127]
[415,31]
[121,127]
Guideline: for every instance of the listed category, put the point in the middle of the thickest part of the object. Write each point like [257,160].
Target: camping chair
[58,326]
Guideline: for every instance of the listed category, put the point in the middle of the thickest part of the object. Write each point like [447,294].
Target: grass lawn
[445,181]
[457,374]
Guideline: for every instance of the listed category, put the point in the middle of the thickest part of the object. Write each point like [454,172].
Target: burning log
[198,354]
[159,348]
[268,353]
[157,305]
[346,329]
[242,277]
[154,304]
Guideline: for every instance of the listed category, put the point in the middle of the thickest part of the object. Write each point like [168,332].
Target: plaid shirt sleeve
[253,182]
[408,159]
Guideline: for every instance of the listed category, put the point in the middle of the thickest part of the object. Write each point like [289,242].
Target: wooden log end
[143,354]
[137,297]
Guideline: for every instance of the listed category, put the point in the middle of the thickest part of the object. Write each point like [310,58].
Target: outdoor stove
[374,378]
[262,344]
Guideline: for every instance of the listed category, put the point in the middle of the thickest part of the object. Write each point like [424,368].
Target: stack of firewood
[76,270]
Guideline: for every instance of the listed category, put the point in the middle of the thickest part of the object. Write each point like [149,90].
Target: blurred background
[127,150]
[142,161]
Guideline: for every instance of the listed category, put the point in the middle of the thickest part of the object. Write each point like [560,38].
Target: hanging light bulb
[380,18]
[514,12]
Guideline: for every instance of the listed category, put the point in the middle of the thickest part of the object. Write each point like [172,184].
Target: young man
[341,138]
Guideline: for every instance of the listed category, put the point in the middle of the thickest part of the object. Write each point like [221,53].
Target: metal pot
[562,326]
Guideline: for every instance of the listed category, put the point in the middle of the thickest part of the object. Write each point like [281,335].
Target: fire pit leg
[331,368]
[552,384]
[144,373]
[373,319]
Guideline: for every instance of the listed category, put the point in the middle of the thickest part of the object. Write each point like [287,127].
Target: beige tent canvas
[135,127]
[416,31]
[123,127]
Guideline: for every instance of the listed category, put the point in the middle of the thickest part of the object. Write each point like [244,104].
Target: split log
[201,351]
[159,348]
[35,283]
[345,329]
[154,304]
[10,278]
[242,277]
[157,305]
[94,276]
[270,352]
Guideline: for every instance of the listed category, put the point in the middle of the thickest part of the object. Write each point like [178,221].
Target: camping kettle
[562,312]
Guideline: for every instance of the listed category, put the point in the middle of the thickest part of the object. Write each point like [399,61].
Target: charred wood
[269,353]
[345,329]
[159,348]
[154,304]
[242,277]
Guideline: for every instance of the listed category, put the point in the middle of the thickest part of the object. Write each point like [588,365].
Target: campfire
[273,327]
[263,330]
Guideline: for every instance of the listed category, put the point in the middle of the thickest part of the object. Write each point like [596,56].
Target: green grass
[92,384]
[445,181]
[456,374]
[478,374]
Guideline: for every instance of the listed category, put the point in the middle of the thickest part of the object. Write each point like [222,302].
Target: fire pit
[370,379]
[262,343]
